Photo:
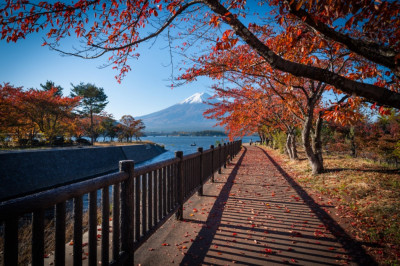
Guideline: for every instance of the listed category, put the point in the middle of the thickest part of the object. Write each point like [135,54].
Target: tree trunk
[316,140]
[352,142]
[288,146]
[315,163]
[91,127]
[261,135]
[293,146]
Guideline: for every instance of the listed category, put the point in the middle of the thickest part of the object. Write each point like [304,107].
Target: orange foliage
[42,110]
[367,30]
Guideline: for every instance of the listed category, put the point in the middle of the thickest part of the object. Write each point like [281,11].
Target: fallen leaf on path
[268,250]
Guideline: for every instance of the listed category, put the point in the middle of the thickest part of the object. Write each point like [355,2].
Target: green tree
[94,100]
[50,85]
[109,126]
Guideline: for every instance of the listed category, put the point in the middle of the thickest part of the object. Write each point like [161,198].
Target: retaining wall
[24,172]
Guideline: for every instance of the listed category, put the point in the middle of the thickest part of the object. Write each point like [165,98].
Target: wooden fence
[142,200]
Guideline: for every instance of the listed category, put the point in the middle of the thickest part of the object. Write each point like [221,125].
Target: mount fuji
[184,116]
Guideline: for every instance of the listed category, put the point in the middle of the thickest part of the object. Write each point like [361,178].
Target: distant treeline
[43,117]
[204,133]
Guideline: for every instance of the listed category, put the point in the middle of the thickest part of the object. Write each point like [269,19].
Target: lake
[183,143]
[173,144]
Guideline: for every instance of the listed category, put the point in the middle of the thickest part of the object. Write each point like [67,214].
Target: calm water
[173,144]
[183,143]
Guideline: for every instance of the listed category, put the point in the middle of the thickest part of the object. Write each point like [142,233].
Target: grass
[367,197]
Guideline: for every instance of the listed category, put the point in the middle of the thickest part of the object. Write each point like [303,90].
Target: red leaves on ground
[269,251]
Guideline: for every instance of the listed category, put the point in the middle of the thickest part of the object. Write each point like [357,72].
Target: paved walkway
[254,214]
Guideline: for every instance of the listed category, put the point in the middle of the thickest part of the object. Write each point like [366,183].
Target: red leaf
[268,250]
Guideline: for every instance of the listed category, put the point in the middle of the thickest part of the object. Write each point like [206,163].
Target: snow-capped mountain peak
[197,98]
[184,116]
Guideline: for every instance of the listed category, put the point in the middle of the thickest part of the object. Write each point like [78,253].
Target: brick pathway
[254,214]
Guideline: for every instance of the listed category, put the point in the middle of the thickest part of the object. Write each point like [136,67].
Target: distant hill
[184,116]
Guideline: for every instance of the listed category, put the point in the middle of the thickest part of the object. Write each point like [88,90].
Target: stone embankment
[24,172]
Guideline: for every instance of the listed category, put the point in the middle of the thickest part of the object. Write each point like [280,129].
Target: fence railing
[142,200]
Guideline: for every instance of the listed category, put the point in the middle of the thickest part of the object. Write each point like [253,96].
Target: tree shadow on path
[352,246]
[201,244]
[223,237]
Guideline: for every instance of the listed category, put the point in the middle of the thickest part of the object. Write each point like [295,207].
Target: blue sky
[144,90]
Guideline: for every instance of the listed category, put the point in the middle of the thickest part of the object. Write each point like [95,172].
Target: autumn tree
[13,123]
[301,97]
[375,137]
[94,100]
[131,127]
[36,111]
[370,31]
[49,112]
[387,128]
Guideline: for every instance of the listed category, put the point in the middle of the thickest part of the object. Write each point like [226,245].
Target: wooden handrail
[48,198]
[143,199]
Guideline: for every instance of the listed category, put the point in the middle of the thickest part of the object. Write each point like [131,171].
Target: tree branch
[372,51]
[156,33]
[380,95]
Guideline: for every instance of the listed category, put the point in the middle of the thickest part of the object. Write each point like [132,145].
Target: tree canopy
[27,112]
[368,30]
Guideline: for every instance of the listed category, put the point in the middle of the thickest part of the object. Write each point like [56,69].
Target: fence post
[127,209]
[231,151]
[180,185]
[38,237]
[200,192]
[224,154]
[212,163]
[219,158]
[228,151]
[11,241]
[235,148]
